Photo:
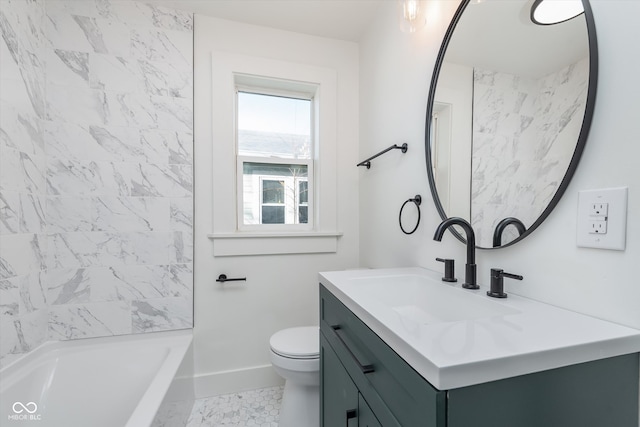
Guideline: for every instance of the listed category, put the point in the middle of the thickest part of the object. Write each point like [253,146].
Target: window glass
[275,193]
[274,126]
[273,214]
[272,191]
[303,191]
[303,202]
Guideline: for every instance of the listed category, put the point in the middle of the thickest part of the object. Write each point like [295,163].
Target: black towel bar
[223,278]
[367,162]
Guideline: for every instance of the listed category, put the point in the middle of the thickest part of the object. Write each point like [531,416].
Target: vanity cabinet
[339,393]
[342,402]
[366,417]
[365,383]
[360,372]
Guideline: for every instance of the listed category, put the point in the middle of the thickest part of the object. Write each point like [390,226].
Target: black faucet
[497,233]
[449,270]
[497,282]
[470,267]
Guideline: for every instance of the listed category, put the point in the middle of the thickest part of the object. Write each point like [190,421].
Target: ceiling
[504,27]
[499,35]
[337,19]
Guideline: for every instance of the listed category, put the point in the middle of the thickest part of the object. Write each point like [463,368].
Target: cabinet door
[338,393]
[366,418]
[398,395]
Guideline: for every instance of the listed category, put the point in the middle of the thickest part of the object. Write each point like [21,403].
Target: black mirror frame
[582,137]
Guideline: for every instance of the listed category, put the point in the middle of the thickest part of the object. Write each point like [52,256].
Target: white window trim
[228,239]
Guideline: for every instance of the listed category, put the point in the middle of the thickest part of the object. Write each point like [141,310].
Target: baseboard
[224,382]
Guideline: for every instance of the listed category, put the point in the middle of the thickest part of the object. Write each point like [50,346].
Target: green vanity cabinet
[342,404]
[366,417]
[365,383]
[339,393]
[602,393]
[391,393]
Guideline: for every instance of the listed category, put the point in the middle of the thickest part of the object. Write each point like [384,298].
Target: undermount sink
[421,300]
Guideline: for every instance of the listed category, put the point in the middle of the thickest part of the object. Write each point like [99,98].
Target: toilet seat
[297,343]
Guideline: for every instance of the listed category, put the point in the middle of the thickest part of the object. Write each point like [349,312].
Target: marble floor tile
[249,408]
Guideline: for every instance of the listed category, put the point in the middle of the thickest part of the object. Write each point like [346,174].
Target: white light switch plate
[614,235]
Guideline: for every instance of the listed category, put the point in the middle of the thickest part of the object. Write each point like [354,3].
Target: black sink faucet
[470,267]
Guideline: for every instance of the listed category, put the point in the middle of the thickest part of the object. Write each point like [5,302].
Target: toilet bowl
[295,356]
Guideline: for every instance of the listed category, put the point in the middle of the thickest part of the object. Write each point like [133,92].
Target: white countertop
[518,337]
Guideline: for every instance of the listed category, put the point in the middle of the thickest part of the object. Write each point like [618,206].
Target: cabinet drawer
[383,378]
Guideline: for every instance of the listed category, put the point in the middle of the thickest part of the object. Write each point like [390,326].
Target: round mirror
[508,114]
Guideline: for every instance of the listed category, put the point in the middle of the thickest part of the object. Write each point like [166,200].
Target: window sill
[274,243]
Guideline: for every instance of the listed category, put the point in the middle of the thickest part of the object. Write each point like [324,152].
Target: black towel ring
[417,200]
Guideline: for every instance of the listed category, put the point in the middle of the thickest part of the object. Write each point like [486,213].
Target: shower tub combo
[128,381]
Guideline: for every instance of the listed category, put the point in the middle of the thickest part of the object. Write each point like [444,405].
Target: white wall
[396,71]
[233,322]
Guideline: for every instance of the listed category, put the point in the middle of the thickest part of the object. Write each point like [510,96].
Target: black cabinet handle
[366,369]
[352,414]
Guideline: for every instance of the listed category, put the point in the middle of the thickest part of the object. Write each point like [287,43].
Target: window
[274,140]
[274,187]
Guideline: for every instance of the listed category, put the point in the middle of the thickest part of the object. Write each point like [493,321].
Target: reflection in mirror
[502,225]
[550,12]
[509,115]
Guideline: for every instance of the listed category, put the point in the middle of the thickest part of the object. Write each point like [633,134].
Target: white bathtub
[110,382]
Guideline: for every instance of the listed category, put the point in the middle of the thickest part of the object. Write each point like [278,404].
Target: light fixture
[412,16]
[549,12]
[476,1]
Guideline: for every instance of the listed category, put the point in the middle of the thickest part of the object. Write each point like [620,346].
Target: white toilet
[295,355]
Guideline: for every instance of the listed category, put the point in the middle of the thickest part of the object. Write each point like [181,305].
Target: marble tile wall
[23,239]
[110,163]
[524,134]
[119,171]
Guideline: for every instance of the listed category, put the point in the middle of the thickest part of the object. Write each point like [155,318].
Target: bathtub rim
[178,341]
[149,404]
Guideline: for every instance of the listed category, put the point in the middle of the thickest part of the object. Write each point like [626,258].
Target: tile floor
[250,408]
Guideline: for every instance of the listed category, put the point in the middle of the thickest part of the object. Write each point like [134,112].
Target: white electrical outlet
[598,226]
[599,209]
[602,218]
